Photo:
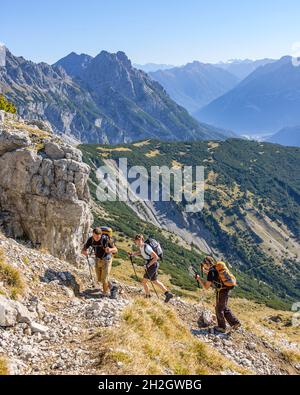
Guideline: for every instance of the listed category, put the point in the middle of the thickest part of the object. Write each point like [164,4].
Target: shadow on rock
[92,293]
[209,331]
[64,278]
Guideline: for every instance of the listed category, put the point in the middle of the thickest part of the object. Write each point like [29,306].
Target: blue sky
[160,31]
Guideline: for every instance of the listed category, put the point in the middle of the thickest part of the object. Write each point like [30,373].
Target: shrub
[11,277]
[7,105]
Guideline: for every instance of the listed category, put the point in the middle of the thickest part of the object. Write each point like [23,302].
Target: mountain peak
[101,99]
[73,63]
[119,56]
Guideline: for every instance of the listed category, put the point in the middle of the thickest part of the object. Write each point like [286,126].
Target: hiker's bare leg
[146,287]
[160,285]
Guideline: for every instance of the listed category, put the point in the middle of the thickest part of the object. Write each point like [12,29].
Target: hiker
[104,248]
[151,266]
[220,277]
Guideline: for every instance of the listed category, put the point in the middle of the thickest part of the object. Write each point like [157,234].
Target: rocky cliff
[44,195]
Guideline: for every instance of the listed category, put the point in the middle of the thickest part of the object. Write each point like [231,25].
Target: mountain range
[149,67]
[195,84]
[266,101]
[241,68]
[102,99]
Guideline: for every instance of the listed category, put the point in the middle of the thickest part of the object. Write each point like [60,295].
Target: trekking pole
[91,276]
[196,273]
[154,289]
[131,260]
[191,268]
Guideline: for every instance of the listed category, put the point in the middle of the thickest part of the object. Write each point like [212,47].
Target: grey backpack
[156,247]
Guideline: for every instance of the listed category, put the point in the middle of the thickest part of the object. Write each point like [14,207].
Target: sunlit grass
[153,340]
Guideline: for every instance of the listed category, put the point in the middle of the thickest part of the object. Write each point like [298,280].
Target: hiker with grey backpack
[151,251]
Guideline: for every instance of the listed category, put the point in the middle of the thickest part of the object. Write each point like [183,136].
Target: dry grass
[153,340]
[141,143]
[211,145]
[255,317]
[118,149]
[291,356]
[10,277]
[3,367]
[153,153]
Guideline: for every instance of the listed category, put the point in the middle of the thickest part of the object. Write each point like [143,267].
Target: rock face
[44,195]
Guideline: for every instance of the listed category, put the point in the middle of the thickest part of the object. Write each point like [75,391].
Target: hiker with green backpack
[219,276]
[102,243]
[151,251]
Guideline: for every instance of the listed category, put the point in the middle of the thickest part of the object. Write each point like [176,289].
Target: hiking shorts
[152,272]
[103,269]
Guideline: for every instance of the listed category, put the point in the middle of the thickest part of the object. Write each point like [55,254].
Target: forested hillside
[251,213]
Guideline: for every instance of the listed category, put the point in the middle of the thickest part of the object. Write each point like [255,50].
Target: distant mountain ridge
[287,136]
[150,67]
[266,101]
[195,84]
[102,99]
[241,68]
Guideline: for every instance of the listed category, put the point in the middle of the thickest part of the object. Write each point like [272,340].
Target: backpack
[226,277]
[156,247]
[105,230]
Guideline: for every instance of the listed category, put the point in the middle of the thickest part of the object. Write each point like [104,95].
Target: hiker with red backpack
[219,276]
[151,251]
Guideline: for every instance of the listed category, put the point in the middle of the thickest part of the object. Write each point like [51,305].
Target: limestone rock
[44,194]
[42,125]
[12,140]
[8,312]
[23,314]
[53,151]
[205,319]
[38,328]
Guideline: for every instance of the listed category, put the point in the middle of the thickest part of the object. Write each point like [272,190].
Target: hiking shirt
[99,246]
[146,252]
[213,277]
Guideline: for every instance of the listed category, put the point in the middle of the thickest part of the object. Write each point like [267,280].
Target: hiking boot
[219,329]
[113,292]
[236,326]
[168,296]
